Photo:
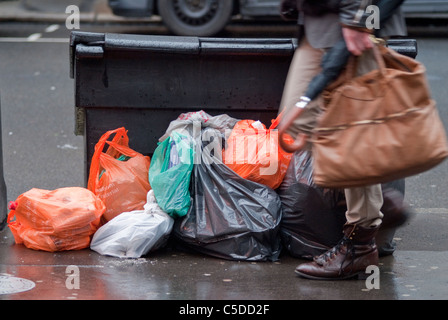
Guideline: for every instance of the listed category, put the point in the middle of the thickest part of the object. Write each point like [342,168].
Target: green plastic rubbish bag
[170,173]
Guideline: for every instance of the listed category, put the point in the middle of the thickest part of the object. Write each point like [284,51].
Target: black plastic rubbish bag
[313,216]
[230,217]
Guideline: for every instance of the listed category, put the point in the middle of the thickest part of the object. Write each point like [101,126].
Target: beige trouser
[363,203]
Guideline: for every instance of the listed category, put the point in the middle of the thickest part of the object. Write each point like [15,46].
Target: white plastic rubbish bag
[135,233]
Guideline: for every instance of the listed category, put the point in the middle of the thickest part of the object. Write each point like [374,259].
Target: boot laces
[333,252]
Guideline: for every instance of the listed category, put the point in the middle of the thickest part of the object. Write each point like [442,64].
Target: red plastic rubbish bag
[119,176]
[56,220]
[253,152]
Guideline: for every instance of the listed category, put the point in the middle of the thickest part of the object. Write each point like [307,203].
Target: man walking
[322,23]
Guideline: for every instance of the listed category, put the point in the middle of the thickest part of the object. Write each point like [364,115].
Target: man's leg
[357,249]
[305,65]
[364,205]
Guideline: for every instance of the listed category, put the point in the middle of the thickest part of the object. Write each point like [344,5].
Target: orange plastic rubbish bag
[253,152]
[56,220]
[119,176]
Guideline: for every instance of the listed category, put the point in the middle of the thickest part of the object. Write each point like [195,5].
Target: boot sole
[356,276]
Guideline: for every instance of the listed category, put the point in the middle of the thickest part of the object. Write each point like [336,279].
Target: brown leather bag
[378,127]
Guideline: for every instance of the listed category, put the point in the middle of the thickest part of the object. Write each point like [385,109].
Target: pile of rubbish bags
[216,185]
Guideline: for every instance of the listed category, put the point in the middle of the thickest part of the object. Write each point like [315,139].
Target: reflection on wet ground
[171,274]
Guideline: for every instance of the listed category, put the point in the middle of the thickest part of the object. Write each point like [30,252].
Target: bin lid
[89,44]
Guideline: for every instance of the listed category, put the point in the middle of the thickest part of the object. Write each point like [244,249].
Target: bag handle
[379,60]
[123,149]
[352,64]
[11,215]
[120,137]
[275,123]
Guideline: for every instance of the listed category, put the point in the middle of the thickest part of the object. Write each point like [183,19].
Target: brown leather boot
[348,259]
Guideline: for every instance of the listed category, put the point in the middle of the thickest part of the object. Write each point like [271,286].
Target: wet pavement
[173,274]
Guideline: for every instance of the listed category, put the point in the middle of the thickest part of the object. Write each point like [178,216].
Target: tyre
[200,18]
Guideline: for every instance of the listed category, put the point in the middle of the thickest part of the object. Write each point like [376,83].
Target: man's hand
[357,41]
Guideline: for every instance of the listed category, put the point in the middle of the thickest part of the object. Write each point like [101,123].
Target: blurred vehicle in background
[208,17]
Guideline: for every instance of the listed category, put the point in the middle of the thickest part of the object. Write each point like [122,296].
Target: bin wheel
[199,18]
